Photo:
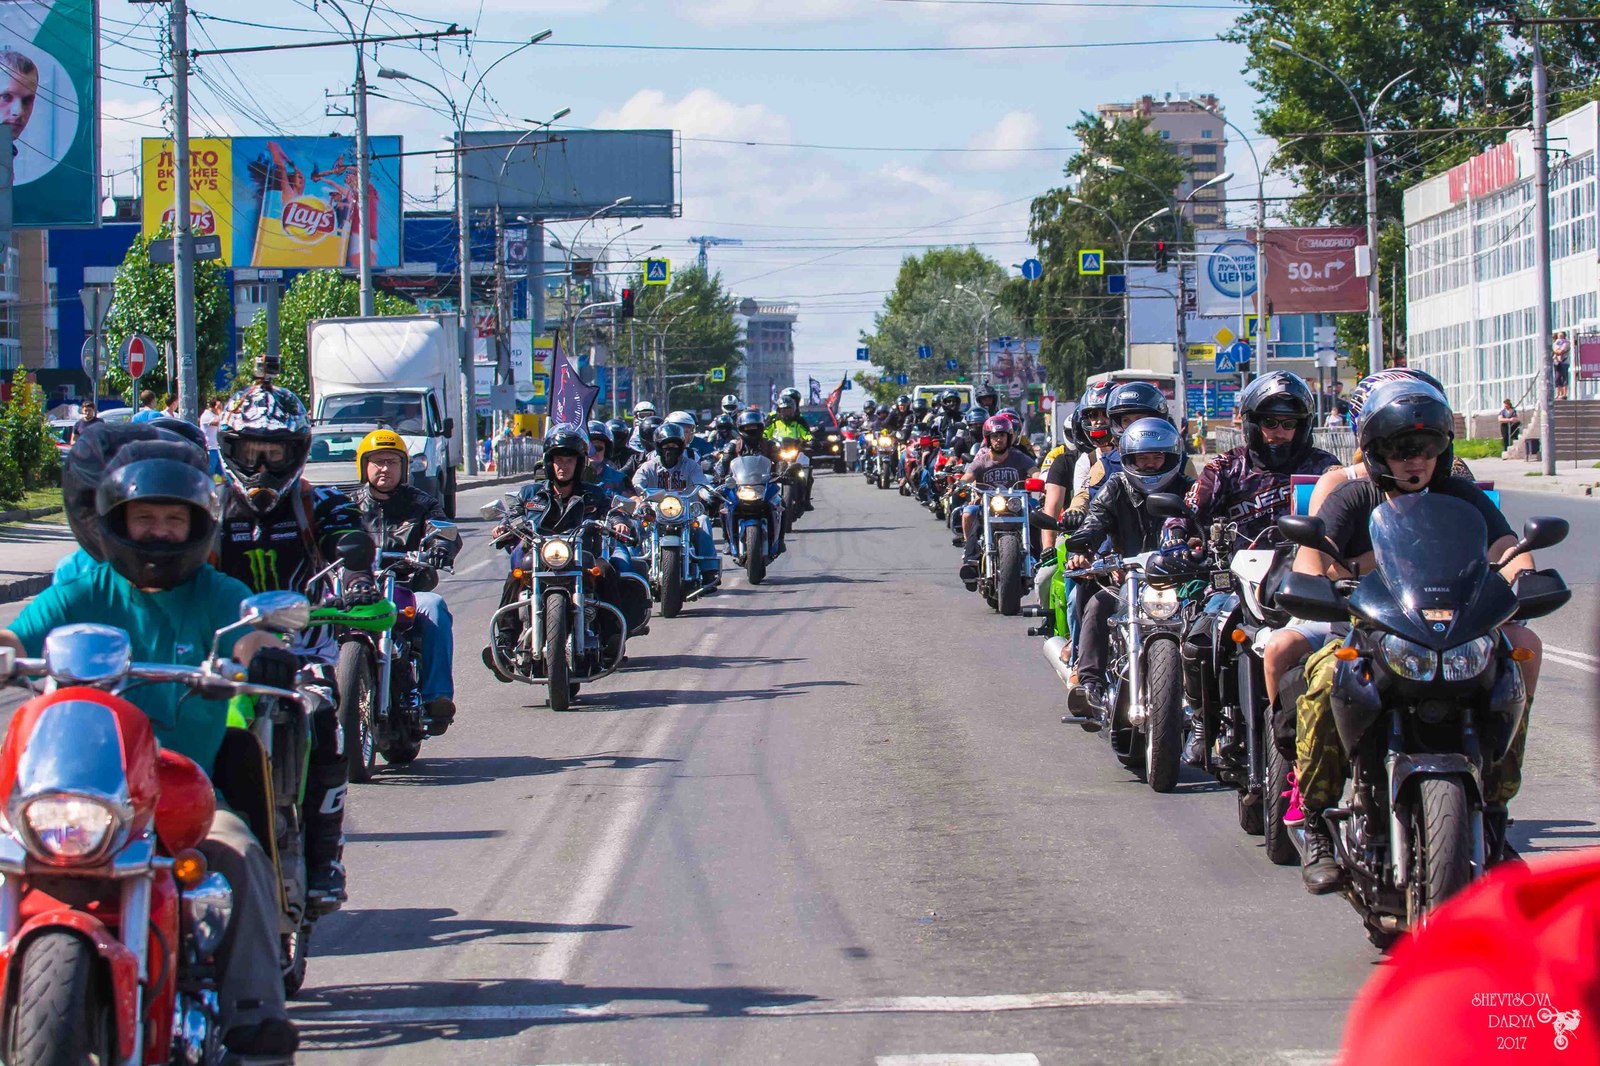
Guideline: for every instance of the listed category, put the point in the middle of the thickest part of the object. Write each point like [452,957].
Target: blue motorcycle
[752,518]
[679,569]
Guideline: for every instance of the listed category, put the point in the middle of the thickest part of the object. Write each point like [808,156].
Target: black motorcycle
[1427,694]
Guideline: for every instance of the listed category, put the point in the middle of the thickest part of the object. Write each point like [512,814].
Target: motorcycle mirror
[1166,505]
[276,612]
[490,511]
[1542,531]
[1310,596]
[1034,484]
[445,532]
[355,550]
[705,495]
[1305,530]
[86,653]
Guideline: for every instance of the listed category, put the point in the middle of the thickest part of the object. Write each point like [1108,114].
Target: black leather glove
[1071,520]
[273,667]
[437,558]
[361,594]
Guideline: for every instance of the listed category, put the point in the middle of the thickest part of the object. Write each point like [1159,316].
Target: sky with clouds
[861,157]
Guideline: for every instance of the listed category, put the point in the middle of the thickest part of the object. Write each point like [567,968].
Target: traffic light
[1161,256]
[627,303]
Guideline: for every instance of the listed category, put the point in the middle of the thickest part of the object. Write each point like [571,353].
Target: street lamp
[1365,114]
[982,296]
[469,414]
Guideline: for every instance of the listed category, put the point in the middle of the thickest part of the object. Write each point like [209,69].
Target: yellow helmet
[382,440]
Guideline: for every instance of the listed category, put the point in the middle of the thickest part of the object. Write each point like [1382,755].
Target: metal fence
[1336,439]
[514,456]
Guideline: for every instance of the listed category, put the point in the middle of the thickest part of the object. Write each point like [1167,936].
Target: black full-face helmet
[751,426]
[1277,395]
[671,441]
[1405,418]
[157,471]
[565,438]
[1134,400]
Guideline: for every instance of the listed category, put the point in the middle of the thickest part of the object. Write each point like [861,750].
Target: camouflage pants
[1320,763]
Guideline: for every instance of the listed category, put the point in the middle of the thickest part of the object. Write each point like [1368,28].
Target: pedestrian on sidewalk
[87,416]
[210,419]
[1561,350]
[147,407]
[1510,424]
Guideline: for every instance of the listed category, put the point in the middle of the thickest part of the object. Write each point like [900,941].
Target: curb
[28,514]
[23,587]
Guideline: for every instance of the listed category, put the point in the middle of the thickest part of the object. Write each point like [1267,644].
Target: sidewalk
[1572,478]
[29,551]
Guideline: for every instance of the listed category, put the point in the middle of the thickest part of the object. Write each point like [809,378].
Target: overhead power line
[864,49]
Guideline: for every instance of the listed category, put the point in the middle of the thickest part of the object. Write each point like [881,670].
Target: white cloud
[768,12]
[700,113]
[1001,146]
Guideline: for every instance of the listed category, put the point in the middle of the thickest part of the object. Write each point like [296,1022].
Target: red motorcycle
[109,916]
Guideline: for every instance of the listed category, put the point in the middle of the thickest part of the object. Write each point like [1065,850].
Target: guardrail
[1336,439]
[515,456]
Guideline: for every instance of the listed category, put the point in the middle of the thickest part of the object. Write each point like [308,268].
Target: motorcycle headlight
[1158,604]
[788,455]
[748,493]
[886,441]
[670,507]
[67,829]
[1466,661]
[555,553]
[833,436]
[1408,660]
[209,908]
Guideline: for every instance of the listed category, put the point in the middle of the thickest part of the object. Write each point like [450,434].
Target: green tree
[1452,81]
[693,320]
[313,295]
[940,299]
[1079,325]
[144,304]
[31,460]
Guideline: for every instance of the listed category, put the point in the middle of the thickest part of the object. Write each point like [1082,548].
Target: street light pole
[1370,175]
[363,163]
[188,383]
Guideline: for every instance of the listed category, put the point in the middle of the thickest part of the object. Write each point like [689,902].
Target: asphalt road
[834,819]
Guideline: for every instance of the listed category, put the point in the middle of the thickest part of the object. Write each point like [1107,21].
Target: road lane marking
[1572,652]
[1308,1058]
[1550,655]
[1019,1059]
[517,1012]
[969,1004]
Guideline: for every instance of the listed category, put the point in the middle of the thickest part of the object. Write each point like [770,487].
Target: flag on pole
[816,390]
[836,395]
[570,396]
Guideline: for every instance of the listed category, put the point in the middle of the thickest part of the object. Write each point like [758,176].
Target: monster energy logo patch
[263,568]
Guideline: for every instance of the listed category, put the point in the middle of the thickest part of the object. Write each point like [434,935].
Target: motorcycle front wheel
[295,946]
[358,709]
[61,1017]
[555,652]
[1008,575]
[1163,724]
[1441,844]
[755,554]
[1275,801]
[671,582]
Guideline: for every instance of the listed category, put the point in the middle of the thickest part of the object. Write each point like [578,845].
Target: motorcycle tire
[294,949]
[1441,842]
[358,709]
[1279,838]
[755,554]
[1163,693]
[62,1017]
[671,582]
[840,468]
[1008,575]
[791,506]
[401,751]
[1251,813]
[555,652]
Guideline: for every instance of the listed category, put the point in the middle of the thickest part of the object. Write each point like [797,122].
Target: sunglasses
[1415,446]
[1270,422]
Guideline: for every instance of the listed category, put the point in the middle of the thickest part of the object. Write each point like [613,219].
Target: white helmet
[730,403]
[684,419]
[644,409]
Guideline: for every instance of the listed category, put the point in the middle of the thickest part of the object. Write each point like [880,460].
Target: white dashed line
[1017,1059]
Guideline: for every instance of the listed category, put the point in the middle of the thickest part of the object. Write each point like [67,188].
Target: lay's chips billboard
[292,201]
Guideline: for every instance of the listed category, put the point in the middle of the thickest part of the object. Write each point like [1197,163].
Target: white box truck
[401,372]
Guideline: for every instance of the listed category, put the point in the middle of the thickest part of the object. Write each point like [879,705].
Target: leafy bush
[31,460]
[1485,448]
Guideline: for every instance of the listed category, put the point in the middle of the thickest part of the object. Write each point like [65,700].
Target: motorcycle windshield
[1431,556]
[75,747]
[750,470]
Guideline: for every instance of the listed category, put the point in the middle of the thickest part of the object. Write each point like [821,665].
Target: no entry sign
[137,351]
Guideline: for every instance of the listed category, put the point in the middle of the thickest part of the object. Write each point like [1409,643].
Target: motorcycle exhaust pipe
[1052,653]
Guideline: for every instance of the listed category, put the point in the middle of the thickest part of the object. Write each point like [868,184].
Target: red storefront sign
[1484,174]
[1313,269]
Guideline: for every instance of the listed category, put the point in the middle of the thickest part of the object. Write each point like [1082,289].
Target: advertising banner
[1313,269]
[210,188]
[1013,360]
[1226,272]
[49,97]
[282,201]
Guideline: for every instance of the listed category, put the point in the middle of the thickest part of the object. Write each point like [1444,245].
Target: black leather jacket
[1118,511]
[557,515]
[400,522]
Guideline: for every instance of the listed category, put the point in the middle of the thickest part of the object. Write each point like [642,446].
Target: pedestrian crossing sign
[658,271]
[719,374]
[1092,261]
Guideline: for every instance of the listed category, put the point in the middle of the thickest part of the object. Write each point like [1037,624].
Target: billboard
[574,173]
[49,96]
[1013,360]
[1314,269]
[281,201]
[1226,273]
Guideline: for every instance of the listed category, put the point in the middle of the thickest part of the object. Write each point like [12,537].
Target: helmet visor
[1416,444]
[274,456]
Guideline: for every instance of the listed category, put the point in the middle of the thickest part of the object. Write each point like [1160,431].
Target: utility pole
[364,189]
[182,245]
[469,414]
[1541,254]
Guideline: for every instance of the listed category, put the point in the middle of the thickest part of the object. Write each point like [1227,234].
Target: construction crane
[705,242]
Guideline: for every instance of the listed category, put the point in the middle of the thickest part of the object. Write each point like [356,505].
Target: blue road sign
[862,355]
[902,379]
[1229,359]
[951,364]
[848,385]
[657,271]
[1091,261]
[1031,269]
[924,351]
[1117,284]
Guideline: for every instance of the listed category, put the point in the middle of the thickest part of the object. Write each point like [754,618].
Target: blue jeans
[436,643]
[705,549]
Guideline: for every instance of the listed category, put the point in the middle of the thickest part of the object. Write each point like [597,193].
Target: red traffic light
[627,303]
[1161,255]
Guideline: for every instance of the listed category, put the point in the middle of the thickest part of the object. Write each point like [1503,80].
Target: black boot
[1194,749]
[1317,866]
[324,826]
[441,712]
[1496,848]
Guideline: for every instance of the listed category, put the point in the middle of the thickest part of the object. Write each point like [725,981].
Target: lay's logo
[308,218]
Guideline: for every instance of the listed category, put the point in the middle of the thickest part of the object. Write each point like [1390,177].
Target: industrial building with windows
[1471,306]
